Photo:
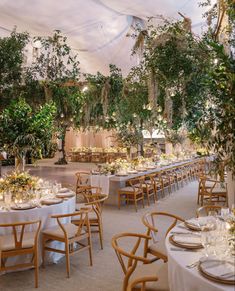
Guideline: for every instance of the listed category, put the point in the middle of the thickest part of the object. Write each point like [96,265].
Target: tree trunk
[231,189]
[141,144]
[20,163]
[62,160]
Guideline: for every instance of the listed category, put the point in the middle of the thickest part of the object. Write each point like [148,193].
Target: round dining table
[43,213]
[182,278]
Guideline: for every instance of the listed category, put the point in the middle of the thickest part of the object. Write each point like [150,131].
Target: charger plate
[192,226]
[186,245]
[206,269]
[23,206]
[65,195]
[51,201]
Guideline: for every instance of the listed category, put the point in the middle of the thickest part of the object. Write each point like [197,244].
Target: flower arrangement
[108,168]
[167,157]
[99,150]
[21,185]
[119,164]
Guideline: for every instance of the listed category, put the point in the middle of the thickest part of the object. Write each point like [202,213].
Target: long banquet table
[111,183]
[182,278]
[44,214]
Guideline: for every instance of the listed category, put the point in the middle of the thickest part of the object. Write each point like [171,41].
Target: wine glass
[233,209]
[205,239]
[8,199]
[224,212]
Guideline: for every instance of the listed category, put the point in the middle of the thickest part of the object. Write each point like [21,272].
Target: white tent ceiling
[96,29]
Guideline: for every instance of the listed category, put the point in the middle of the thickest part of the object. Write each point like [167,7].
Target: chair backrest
[83,192]
[205,210]
[206,185]
[19,230]
[81,226]
[137,182]
[83,178]
[97,202]
[150,220]
[130,254]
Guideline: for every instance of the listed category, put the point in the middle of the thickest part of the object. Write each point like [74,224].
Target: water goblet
[8,198]
[224,212]
[233,209]
[205,239]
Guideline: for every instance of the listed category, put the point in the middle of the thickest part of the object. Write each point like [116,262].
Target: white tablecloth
[184,279]
[101,181]
[44,214]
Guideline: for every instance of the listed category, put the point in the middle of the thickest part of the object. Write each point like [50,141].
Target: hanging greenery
[58,68]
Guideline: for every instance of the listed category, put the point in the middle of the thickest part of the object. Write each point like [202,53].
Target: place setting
[22,191]
[213,240]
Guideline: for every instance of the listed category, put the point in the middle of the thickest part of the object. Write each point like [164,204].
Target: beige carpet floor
[106,273]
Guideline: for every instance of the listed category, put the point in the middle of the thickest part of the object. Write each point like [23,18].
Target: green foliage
[24,130]
[11,62]
[59,69]
[56,62]
[219,115]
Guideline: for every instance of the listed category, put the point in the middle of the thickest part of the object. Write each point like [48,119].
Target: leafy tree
[11,65]
[58,68]
[24,130]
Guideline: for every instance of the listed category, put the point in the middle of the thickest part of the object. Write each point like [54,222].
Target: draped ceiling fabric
[96,29]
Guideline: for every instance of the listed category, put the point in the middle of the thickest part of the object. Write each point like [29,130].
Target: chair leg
[67,259]
[100,234]
[147,195]
[119,200]
[36,267]
[90,242]
[43,251]
[135,205]
[90,250]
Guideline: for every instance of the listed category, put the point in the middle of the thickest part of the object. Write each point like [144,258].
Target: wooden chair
[95,202]
[157,248]
[166,181]
[178,176]
[69,234]
[149,188]
[211,190]
[205,210]
[96,157]
[81,196]
[138,269]
[134,192]
[83,181]
[157,181]
[171,178]
[20,242]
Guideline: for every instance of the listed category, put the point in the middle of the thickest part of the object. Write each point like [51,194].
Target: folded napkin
[187,239]
[224,270]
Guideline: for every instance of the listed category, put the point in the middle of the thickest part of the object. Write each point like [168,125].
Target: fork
[193,265]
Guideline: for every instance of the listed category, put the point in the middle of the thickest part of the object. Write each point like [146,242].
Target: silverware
[228,275]
[190,233]
[183,250]
[193,265]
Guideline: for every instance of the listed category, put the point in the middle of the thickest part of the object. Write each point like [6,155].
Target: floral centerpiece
[21,185]
[116,166]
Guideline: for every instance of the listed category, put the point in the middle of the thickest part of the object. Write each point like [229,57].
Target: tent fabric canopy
[96,29]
